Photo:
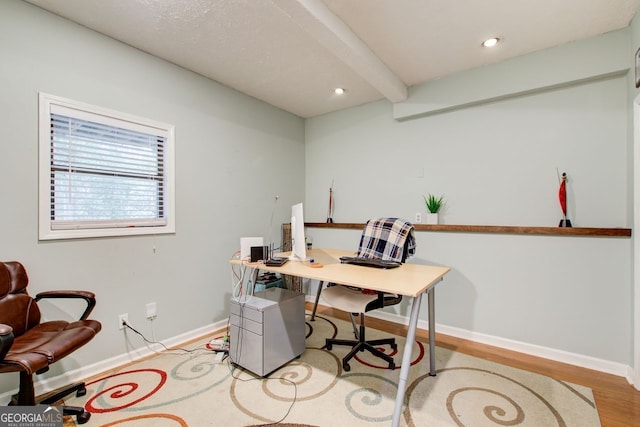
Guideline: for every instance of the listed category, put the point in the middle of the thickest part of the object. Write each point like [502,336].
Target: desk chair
[29,346]
[385,238]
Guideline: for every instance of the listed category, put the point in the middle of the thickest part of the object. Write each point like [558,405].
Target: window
[103,173]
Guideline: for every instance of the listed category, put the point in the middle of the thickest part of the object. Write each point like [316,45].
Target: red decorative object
[562,196]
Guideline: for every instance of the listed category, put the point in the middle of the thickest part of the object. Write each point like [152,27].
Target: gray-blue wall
[491,140]
[233,155]
[491,146]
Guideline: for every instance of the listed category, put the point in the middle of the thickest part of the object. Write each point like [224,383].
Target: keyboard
[369,262]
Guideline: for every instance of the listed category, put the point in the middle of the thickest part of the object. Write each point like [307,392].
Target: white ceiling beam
[314,17]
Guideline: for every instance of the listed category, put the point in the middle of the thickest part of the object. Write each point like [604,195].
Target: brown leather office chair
[389,239]
[29,346]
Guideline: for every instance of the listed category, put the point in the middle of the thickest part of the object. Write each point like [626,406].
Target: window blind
[104,175]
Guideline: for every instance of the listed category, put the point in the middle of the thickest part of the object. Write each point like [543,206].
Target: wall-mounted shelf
[495,229]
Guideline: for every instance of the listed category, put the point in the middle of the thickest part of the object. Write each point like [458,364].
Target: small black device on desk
[276,261]
[369,262]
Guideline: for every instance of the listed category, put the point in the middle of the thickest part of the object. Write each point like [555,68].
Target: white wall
[495,162]
[233,155]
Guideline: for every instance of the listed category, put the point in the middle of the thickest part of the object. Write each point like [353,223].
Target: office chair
[29,346]
[385,238]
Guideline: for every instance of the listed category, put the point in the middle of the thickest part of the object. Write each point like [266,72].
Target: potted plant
[433,203]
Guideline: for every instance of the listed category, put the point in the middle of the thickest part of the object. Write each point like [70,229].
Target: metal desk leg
[315,306]
[406,359]
[254,279]
[432,330]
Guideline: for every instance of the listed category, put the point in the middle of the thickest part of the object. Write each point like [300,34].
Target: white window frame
[87,229]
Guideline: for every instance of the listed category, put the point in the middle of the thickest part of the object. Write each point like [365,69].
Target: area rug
[188,388]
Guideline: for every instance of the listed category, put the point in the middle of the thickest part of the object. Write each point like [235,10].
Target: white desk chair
[385,238]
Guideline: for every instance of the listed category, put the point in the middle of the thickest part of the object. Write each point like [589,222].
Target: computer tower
[267,330]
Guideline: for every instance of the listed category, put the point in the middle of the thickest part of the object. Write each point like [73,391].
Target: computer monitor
[298,244]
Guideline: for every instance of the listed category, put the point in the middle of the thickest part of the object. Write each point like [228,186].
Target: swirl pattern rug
[179,388]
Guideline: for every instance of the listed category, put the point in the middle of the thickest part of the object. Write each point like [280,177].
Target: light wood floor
[618,402]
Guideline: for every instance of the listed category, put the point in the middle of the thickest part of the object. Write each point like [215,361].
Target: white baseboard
[47,385]
[557,355]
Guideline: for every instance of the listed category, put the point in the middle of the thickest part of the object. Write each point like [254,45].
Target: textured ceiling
[293,53]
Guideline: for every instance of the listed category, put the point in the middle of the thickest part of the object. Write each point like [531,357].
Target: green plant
[433,203]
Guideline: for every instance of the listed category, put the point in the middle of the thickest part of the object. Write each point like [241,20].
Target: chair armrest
[6,339]
[390,299]
[89,297]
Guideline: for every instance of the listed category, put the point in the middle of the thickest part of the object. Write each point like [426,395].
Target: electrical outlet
[418,217]
[122,319]
[152,310]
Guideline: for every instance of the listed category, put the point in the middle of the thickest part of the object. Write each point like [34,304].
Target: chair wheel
[81,392]
[83,418]
[346,367]
[394,346]
[392,365]
[329,346]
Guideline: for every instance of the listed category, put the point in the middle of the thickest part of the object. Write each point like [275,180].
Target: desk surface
[408,279]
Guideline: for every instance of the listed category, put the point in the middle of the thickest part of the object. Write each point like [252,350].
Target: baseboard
[47,385]
[632,378]
[557,355]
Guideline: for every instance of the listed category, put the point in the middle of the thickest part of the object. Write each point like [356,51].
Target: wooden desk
[411,280]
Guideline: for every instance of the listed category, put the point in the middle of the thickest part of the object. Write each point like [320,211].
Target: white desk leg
[406,359]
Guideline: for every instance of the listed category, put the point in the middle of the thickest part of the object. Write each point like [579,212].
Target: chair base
[361,345]
[80,389]
[26,397]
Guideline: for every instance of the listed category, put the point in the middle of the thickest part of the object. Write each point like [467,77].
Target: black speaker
[259,253]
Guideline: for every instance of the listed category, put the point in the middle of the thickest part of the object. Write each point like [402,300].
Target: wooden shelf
[494,229]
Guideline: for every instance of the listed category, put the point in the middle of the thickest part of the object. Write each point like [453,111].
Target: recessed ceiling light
[339,91]
[491,42]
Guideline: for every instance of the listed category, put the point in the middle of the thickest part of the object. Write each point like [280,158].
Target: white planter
[432,218]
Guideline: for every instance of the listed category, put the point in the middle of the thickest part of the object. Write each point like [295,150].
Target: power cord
[232,369]
[185,350]
[238,355]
